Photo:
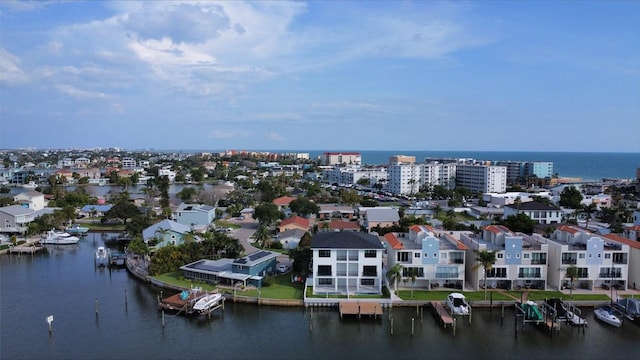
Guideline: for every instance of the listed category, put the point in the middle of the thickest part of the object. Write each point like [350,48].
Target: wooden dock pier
[360,308]
[26,248]
[442,313]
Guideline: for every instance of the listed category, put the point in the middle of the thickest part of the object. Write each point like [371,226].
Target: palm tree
[394,274]
[486,259]
[262,236]
[588,210]
[412,273]
[572,274]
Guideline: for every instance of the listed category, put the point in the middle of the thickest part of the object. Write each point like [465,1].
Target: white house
[197,216]
[166,232]
[15,218]
[290,238]
[600,261]
[33,200]
[538,212]
[521,260]
[382,216]
[347,263]
[436,259]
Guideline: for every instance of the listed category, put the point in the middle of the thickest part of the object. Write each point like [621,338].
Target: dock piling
[126,303]
[391,326]
[97,308]
[412,325]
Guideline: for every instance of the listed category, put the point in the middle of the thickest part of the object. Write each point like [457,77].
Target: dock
[183,302]
[25,248]
[442,313]
[360,308]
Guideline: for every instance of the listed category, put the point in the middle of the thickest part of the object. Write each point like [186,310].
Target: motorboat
[55,237]
[457,303]
[531,311]
[207,302]
[76,229]
[102,256]
[30,185]
[606,314]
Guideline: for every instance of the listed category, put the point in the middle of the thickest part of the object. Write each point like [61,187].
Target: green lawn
[438,295]
[176,278]
[279,287]
[537,295]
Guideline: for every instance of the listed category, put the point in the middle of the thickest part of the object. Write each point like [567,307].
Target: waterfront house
[381,216]
[247,270]
[436,259]
[198,216]
[15,218]
[521,260]
[33,200]
[633,260]
[601,262]
[294,222]
[166,232]
[347,263]
[538,212]
[94,210]
[290,238]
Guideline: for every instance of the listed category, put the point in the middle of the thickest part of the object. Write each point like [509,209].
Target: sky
[321,75]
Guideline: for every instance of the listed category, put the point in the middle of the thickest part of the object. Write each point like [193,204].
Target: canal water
[107,314]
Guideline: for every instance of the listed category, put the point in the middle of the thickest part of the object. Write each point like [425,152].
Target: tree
[303,206]
[186,194]
[412,273]
[486,259]
[138,246]
[519,223]
[267,213]
[571,273]
[262,236]
[349,197]
[588,210]
[394,274]
[570,197]
[123,211]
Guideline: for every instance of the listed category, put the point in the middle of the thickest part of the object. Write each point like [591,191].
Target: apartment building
[342,158]
[538,212]
[350,175]
[347,263]
[602,263]
[521,260]
[481,178]
[437,260]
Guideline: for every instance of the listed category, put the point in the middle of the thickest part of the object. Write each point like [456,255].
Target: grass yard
[424,295]
[176,279]
[278,287]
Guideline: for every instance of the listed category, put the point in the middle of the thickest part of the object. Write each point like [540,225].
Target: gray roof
[382,214]
[345,240]
[16,210]
[295,233]
[170,225]
[193,207]
[255,258]
[533,205]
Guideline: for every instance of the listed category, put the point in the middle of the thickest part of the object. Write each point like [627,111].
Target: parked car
[282,268]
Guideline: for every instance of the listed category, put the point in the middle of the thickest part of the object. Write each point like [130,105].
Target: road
[247,227]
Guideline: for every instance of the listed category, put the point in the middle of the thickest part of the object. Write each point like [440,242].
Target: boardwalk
[360,308]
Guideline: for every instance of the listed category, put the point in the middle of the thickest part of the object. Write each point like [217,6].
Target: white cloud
[10,71]
[275,136]
[217,134]
[79,94]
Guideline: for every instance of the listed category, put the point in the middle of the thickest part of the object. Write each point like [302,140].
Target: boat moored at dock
[101,257]
[607,315]
[54,237]
[77,229]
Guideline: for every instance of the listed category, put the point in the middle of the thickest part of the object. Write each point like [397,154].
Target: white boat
[102,256]
[575,320]
[30,185]
[76,229]
[59,238]
[606,315]
[458,304]
[207,302]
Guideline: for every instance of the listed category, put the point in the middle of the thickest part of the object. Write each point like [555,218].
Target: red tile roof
[456,242]
[420,228]
[633,228]
[297,220]
[339,224]
[283,200]
[497,229]
[569,229]
[623,240]
[393,241]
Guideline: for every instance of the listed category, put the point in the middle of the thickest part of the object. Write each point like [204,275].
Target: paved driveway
[248,227]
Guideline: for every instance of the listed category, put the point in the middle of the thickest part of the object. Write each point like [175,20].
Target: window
[403,256]
[619,258]
[607,256]
[368,282]
[499,256]
[508,256]
[443,255]
[569,258]
[324,270]
[416,255]
[529,272]
[498,272]
[581,256]
[525,256]
[324,253]
[583,273]
[447,272]
[369,271]
[370,253]
[325,281]
[538,258]
[518,256]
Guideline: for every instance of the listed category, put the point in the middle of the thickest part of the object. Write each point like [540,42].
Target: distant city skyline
[363,75]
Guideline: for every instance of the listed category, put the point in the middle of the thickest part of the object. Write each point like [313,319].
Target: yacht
[457,303]
[55,237]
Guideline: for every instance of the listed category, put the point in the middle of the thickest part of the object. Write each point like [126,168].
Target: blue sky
[398,75]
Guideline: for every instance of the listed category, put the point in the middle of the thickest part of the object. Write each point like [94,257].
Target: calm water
[65,284]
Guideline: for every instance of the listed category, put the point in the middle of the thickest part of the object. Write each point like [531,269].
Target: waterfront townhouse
[600,261]
[15,218]
[436,260]
[197,216]
[379,216]
[521,260]
[633,260]
[347,263]
[536,211]
[33,200]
